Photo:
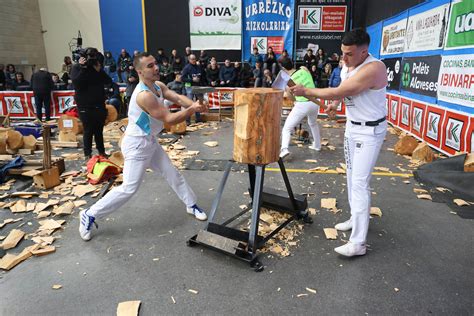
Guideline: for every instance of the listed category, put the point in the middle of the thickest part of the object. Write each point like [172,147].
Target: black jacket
[41,82]
[89,86]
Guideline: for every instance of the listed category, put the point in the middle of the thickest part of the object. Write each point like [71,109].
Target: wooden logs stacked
[257,125]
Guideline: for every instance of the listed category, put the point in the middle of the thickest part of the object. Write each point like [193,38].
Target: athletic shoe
[285,154]
[197,212]
[85,225]
[351,250]
[313,147]
[345,226]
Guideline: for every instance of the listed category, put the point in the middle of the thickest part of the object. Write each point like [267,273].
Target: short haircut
[286,63]
[356,37]
[136,60]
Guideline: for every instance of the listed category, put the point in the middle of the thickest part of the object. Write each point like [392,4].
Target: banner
[320,24]
[215,24]
[456,80]
[267,24]
[461,25]
[426,30]
[393,38]
[394,72]
[420,74]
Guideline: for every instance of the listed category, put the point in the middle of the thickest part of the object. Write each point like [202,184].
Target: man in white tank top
[140,148]
[364,80]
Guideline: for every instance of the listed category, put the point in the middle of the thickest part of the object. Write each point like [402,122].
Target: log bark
[469,163]
[29,142]
[423,153]
[406,145]
[14,140]
[257,125]
[112,114]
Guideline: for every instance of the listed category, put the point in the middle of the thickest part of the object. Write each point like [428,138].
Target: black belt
[371,123]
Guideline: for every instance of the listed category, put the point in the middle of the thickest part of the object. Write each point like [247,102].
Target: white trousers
[299,112]
[141,153]
[361,148]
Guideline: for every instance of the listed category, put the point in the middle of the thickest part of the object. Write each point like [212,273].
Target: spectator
[132,82]
[174,56]
[192,76]
[284,56]
[20,84]
[321,58]
[309,59]
[177,65]
[177,85]
[335,79]
[267,79]
[254,58]
[334,60]
[58,83]
[113,96]
[123,64]
[160,56]
[315,74]
[325,75]
[66,68]
[245,76]
[110,67]
[227,74]
[187,53]
[212,74]
[2,77]
[10,75]
[135,54]
[42,85]
[203,59]
[166,71]
[258,74]
[270,61]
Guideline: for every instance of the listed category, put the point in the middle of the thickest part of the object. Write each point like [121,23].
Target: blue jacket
[253,60]
[335,79]
[227,73]
[189,72]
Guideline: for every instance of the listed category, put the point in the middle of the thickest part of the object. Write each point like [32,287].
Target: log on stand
[49,176]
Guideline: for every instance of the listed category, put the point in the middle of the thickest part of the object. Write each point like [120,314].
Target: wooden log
[29,142]
[3,143]
[469,163]
[14,140]
[423,153]
[112,114]
[406,145]
[67,136]
[257,125]
[71,123]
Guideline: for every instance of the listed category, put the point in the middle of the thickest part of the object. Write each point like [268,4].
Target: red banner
[418,114]
[454,132]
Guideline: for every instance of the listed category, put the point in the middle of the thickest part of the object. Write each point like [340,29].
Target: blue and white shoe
[85,225]
[197,212]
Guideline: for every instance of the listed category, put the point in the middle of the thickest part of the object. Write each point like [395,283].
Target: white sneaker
[284,153]
[351,249]
[85,225]
[345,226]
[197,212]
[314,147]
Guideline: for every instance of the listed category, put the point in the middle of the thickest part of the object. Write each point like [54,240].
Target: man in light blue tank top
[140,149]
[364,80]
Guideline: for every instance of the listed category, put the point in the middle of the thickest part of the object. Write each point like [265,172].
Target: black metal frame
[241,244]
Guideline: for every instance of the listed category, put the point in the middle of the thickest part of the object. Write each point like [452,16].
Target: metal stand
[241,244]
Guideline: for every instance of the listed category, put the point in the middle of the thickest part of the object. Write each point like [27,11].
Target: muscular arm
[172,96]
[149,103]
[371,76]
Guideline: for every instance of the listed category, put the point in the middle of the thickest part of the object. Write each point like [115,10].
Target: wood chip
[65,209]
[331,233]
[340,170]
[57,286]
[301,295]
[419,191]
[12,239]
[311,161]
[312,211]
[79,203]
[424,197]
[129,308]
[10,221]
[173,300]
[44,251]
[49,224]
[243,207]
[375,211]
[328,203]
[331,147]
[193,291]
[9,261]
[211,144]
[396,289]
[19,207]
[383,169]
[81,190]
[443,190]
[406,182]
[311,290]
[460,202]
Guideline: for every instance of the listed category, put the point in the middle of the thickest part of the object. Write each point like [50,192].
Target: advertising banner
[320,24]
[456,80]
[394,106]
[393,38]
[418,119]
[394,72]
[420,74]
[426,30]
[405,115]
[455,128]
[215,24]
[433,123]
[267,24]
[461,25]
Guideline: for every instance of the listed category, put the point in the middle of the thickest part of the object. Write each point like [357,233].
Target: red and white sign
[394,105]
[433,123]
[405,114]
[418,119]
[455,128]
[322,18]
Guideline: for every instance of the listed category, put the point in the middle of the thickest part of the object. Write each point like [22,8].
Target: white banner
[215,24]
[456,80]
[393,38]
[427,30]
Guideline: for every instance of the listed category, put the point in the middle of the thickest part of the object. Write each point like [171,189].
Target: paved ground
[417,247]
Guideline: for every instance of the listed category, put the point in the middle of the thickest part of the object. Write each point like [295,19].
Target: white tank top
[367,106]
[141,123]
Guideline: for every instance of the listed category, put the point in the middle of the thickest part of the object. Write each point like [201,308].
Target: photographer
[89,79]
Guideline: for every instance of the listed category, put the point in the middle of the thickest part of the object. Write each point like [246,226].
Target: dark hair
[286,63]
[136,60]
[356,37]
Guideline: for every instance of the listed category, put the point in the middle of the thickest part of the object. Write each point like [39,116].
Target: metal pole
[253,246]
[220,190]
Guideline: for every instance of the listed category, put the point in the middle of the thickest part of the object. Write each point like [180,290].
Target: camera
[91,54]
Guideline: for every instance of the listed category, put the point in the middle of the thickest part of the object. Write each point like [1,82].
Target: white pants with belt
[361,148]
[141,153]
[299,112]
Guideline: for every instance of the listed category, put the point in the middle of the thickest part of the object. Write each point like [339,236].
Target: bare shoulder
[146,99]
